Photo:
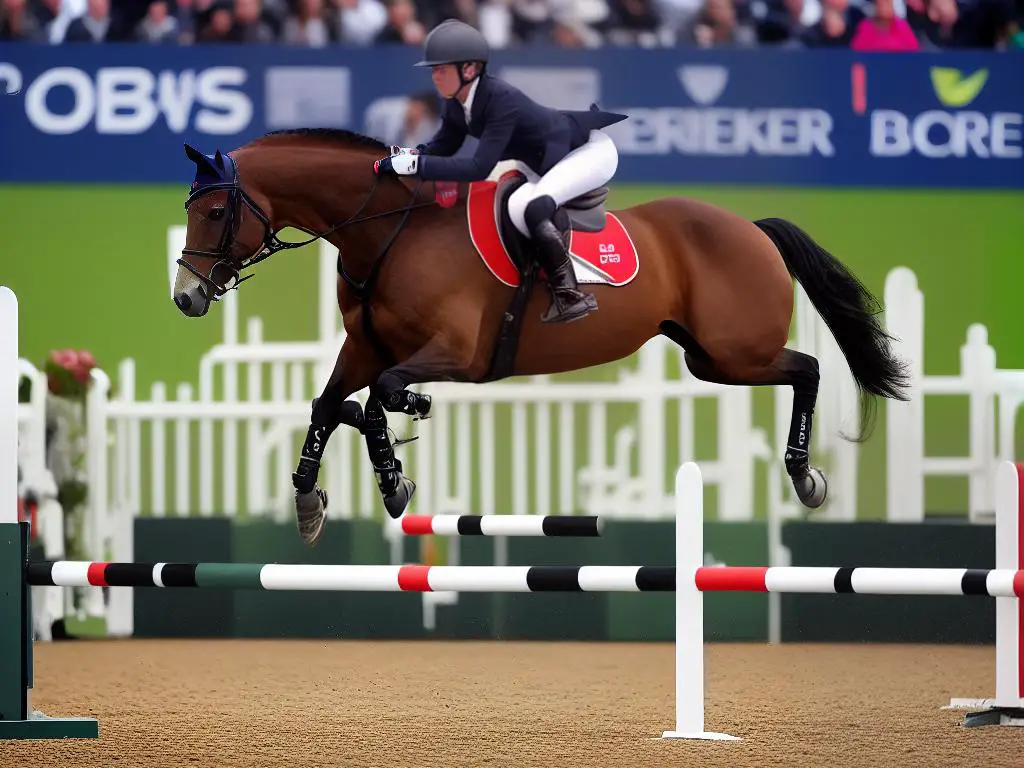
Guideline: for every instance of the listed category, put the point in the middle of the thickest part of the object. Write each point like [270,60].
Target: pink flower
[84,362]
[67,368]
[65,358]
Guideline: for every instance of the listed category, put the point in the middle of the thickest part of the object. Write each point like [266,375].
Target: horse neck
[318,187]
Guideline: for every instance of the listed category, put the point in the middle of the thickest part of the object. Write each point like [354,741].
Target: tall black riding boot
[568,302]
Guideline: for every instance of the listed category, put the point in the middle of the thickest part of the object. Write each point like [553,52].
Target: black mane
[336,135]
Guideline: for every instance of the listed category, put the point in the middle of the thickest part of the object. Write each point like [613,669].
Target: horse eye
[216,214]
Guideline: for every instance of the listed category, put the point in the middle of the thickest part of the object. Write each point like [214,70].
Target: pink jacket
[896,36]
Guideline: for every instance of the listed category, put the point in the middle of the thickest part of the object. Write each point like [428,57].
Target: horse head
[232,225]
[227,231]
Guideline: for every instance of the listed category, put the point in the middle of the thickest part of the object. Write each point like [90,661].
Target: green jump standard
[17,719]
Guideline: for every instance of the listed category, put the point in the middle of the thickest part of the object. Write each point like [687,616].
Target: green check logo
[955,89]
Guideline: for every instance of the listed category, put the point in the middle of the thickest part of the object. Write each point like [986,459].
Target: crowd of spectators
[866,25]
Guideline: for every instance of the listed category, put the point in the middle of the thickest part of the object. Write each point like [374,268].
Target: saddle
[585,213]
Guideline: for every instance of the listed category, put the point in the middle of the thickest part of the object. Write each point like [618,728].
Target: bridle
[225,273]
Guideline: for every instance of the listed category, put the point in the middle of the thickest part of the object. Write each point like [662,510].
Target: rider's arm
[446,141]
[500,120]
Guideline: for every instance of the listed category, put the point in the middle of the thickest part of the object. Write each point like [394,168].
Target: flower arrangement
[68,372]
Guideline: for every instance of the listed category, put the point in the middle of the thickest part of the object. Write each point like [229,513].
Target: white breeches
[583,169]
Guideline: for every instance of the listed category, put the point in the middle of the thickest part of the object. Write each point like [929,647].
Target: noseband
[225,274]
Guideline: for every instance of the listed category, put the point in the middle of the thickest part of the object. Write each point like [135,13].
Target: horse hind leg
[809,482]
[795,369]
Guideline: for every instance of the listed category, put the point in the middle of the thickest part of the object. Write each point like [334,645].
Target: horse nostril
[183,301]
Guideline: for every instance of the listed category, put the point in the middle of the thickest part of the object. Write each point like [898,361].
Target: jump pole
[289,577]
[501,525]
[17,719]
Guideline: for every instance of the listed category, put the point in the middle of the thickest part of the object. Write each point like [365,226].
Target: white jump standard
[1007,708]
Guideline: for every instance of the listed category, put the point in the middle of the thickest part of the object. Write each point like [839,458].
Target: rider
[566,152]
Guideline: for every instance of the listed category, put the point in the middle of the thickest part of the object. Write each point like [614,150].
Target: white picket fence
[538,445]
[994,397]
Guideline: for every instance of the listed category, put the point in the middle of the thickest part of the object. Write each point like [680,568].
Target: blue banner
[120,113]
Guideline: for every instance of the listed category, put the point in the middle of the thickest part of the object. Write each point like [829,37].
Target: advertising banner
[120,113]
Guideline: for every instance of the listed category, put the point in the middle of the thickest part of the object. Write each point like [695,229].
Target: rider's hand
[403,165]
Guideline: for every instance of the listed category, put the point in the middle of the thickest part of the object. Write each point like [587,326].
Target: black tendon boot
[395,488]
[310,499]
[568,302]
[809,482]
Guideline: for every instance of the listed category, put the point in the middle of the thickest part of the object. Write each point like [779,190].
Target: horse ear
[193,154]
[202,162]
[219,159]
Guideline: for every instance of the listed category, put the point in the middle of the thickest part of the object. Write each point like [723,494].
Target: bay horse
[420,304]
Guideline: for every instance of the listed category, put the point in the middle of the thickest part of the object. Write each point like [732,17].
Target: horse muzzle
[190,294]
[192,304]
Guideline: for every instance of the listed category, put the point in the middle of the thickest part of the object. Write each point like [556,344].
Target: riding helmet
[453,42]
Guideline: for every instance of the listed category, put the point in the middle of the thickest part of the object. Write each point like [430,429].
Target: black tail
[849,310]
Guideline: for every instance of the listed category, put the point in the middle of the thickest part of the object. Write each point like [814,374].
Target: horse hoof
[311,514]
[398,501]
[812,488]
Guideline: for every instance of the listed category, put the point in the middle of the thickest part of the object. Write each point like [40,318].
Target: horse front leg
[436,361]
[353,370]
[395,488]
